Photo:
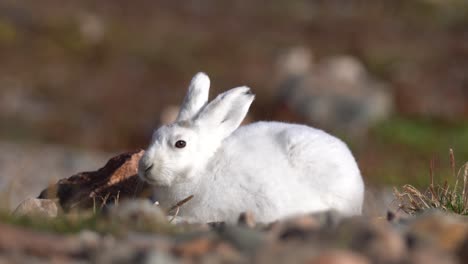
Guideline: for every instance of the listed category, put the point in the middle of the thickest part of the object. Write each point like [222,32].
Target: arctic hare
[272,169]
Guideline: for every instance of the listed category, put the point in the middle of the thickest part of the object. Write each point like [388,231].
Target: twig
[431,186]
[94,204]
[117,198]
[465,189]
[175,215]
[180,203]
[104,200]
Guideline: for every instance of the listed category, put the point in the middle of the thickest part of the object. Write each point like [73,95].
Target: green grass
[403,149]
[65,224]
[74,222]
[424,135]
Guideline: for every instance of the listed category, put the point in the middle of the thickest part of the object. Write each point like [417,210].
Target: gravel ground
[142,233]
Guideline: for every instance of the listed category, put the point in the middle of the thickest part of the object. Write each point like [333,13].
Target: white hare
[272,169]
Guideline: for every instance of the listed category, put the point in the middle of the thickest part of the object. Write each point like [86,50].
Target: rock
[431,256]
[300,227]
[462,251]
[306,227]
[377,240]
[285,253]
[329,219]
[38,244]
[229,253]
[339,257]
[242,238]
[115,181]
[156,257]
[138,213]
[442,230]
[37,207]
[89,239]
[336,93]
[194,248]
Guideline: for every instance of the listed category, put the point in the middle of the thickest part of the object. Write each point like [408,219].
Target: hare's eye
[180,144]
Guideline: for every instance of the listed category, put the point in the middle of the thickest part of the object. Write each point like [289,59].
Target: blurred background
[81,81]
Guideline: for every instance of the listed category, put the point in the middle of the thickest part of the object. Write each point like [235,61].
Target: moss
[8,33]
[424,135]
[86,220]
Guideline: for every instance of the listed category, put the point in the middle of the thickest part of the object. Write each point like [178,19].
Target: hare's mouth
[151,181]
[148,179]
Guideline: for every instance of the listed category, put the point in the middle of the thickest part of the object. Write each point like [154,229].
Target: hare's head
[179,150]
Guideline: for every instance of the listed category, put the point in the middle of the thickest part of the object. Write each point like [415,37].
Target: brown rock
[463,251]
[118,179]
[37,207]
[194,248]
[377,240]
[298,227]
[39,244]
[339,257]
[444,231]
[431,256]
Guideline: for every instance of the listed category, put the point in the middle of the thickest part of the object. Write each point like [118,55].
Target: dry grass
[450,198]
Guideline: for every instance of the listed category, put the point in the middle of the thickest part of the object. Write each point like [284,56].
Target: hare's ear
[196,97]
[225,113]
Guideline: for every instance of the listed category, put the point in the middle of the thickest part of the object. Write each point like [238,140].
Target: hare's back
[298,147]
[311,169]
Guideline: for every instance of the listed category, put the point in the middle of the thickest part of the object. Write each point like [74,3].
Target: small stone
[299,227]
[37,207]
[89,239]
[377,240]
[431,255]
[339,257]
[247,219]
[194,248]
[242,238]
[444,231]
[328,219]
[138,212]
[227,251]
[462,251]
[156,257]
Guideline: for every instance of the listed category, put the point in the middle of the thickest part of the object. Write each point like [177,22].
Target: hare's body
[269,168]
[311,175]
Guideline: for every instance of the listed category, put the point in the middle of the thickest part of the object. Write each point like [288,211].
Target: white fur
[273,169]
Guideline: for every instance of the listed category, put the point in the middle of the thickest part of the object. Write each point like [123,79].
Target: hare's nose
[144,166]
[148,168]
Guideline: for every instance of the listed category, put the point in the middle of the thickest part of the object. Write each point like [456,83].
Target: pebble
[339,257]
[37,207]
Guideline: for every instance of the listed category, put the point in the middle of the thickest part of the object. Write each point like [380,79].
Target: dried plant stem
[175,215]
[180,203]
[104,200]
[454,199]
